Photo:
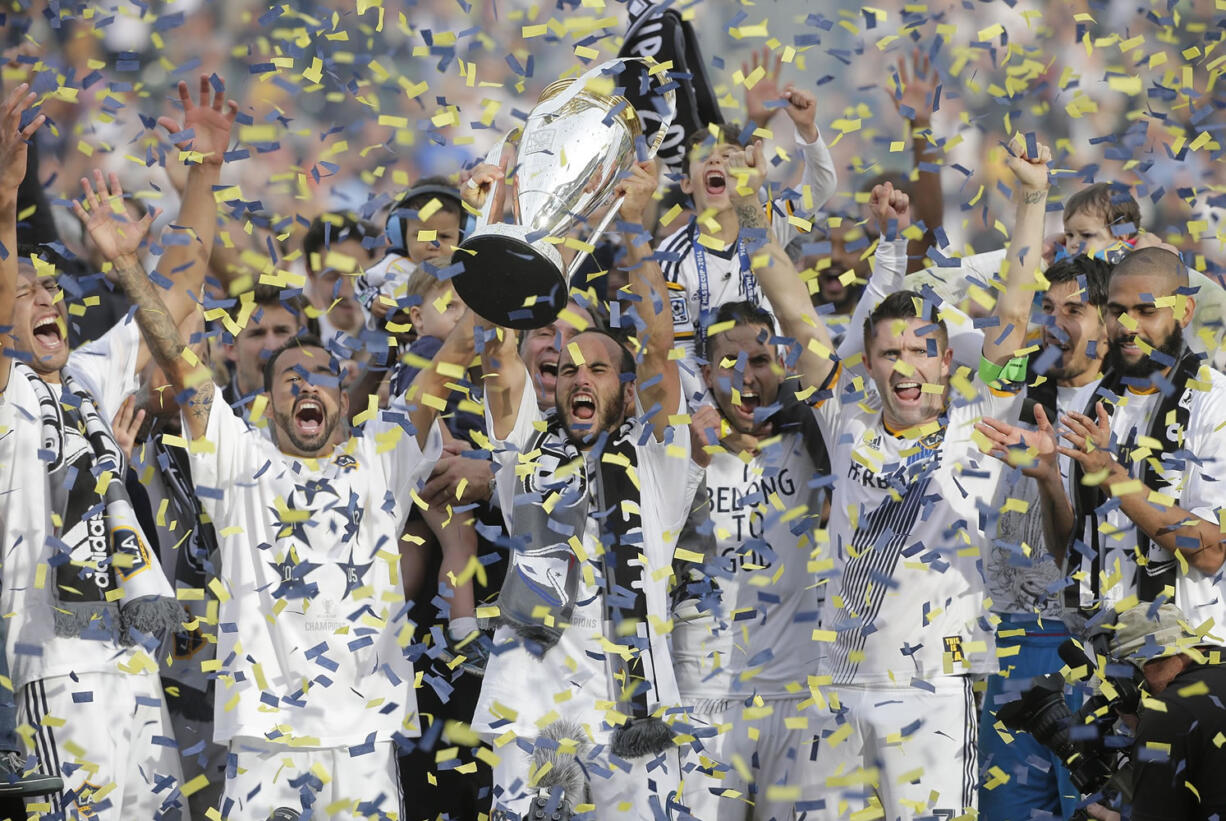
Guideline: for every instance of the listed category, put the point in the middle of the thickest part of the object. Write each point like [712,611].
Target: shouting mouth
[583,407]
[49,333]
[750,402]
[716,182]
[907,391]
[309,418]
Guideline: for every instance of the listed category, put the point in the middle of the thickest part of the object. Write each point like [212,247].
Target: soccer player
[1143,517]
[314,680]
[744,666]
[85,591]
[594,496]
[904,612]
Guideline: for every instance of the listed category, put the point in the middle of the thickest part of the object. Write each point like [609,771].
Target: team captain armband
[1007,378]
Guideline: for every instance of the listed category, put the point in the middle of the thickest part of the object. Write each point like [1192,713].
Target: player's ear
[947,359]
[706,376]
[628,399]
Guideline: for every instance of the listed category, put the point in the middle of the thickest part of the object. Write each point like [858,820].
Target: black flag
[658,32]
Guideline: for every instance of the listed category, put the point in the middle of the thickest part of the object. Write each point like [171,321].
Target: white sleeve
[1205,492]
[1206,333]
[106,367]
[230,452]
[889,269]
[818,182]
[669,466]
[403,463]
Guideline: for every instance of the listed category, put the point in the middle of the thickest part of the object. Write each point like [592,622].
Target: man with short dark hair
[261,321]
[904,614]
[1023,577]
[1146,502]
[313,675]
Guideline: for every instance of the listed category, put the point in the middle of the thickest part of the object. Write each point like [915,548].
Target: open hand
[14,140]
[126,426]
[114,235]
[1034,451]
[766,90]
[914,93]
[205,129]
[1090,440]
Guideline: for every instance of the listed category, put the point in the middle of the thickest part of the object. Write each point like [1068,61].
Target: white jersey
[106,368]
[519,692]
[760,640]
[313,624]
[908,542]
[1023,576]
[1199,491]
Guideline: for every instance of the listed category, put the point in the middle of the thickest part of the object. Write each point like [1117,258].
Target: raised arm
[428,392]
[204,134]
[787,293]
[13,150]
[1012,309]
[658,379]
[118,242]
[761,102]
[915,97]
[892,210]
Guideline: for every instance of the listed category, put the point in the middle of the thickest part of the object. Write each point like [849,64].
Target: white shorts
[906,750]
[108,735]
[774,743]
[342,783]
[643,793]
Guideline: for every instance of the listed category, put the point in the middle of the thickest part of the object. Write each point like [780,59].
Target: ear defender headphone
[397,220]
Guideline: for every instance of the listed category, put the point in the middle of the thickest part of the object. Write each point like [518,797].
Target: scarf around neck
[107,584]
[1168,425]
[550,516]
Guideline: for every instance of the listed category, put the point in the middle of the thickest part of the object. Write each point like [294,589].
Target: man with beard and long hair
[313,684]
[1143,519]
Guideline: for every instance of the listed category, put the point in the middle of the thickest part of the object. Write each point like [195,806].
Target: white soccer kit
[758,643]
[313,622]
[1112,576]
[906,606]
[107,695]
[521,694]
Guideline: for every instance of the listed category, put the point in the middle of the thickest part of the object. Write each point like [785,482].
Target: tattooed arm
[1001,343]
[118,242]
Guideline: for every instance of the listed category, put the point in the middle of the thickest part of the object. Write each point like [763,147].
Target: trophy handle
[494,157]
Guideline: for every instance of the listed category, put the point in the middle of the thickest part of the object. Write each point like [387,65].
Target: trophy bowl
[573,148]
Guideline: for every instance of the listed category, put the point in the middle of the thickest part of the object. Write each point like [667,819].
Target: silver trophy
[569,155]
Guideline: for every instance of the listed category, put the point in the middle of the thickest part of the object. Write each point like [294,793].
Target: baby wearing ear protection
[422,229]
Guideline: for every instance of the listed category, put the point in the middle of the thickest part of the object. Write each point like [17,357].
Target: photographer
[1177,763]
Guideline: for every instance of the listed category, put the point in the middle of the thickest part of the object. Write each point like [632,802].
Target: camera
[1096,757]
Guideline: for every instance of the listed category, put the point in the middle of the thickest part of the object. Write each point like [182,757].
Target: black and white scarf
[1159,472]
[550,516]
[106,583]
[659,32]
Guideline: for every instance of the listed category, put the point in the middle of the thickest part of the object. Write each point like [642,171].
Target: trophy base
[508,281]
